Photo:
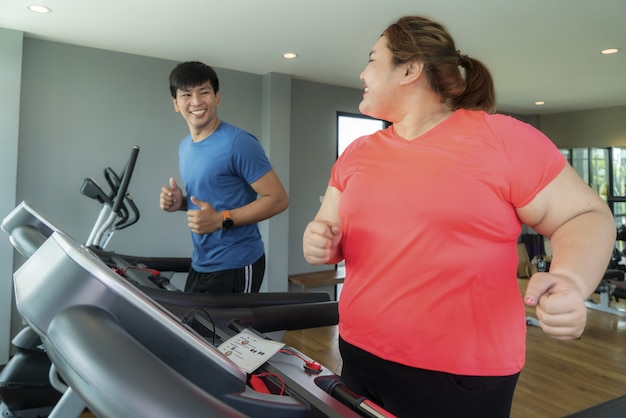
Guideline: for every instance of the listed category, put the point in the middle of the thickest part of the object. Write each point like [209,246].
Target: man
[230,186]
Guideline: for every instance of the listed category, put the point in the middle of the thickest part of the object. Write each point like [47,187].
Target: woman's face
[382,81]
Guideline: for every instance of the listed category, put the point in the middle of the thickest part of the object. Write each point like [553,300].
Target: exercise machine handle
[104,226]
[335,387]
[128,172]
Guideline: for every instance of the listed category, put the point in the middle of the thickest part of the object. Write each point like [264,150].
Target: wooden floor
[560,377]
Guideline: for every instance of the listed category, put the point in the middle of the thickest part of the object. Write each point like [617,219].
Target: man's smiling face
[198,106]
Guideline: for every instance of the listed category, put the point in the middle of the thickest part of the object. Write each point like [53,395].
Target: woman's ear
[414,70]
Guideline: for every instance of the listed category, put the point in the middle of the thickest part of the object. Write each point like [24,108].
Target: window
[351,126]
[604,170]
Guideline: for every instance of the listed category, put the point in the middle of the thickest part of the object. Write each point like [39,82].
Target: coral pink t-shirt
[430,233]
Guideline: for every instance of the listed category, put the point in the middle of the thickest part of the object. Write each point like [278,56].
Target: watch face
[227,223]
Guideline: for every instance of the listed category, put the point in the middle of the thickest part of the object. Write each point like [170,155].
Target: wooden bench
[326,280]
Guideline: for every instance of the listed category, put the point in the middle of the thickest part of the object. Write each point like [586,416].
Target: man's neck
[205,132]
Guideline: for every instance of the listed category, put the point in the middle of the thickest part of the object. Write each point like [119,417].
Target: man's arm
[272,200]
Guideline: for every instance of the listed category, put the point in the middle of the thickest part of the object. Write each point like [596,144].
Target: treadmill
[124,354]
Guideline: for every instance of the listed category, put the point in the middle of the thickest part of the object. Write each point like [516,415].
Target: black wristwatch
[227,223]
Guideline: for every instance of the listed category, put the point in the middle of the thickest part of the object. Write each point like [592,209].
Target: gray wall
[592,128]
[10,76]
[276,111]
[313,151]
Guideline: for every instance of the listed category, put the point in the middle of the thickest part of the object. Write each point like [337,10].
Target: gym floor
[560,377]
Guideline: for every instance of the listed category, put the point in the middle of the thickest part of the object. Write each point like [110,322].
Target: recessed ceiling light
[290,55]
[610,51]
[540,103]
[39,8]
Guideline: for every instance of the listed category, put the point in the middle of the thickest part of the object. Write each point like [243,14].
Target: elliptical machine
[118,211]
[28,388]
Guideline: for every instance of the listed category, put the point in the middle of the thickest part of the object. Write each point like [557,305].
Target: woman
[426,214]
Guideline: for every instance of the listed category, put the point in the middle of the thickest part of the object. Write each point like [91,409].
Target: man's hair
[191,74]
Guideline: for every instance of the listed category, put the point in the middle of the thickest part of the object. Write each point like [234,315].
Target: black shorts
[411,392]
[246,279]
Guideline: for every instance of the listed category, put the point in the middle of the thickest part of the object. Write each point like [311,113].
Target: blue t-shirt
[219,170]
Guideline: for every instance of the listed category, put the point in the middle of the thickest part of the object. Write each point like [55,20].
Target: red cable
[257,383]
[152,271]
[308,364]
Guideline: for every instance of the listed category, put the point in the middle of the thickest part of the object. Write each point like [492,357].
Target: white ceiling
[536,49]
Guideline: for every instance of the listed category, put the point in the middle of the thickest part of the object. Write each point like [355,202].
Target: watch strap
[227,221]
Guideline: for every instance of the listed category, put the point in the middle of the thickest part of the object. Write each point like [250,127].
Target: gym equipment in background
[612,287]
[117,206]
